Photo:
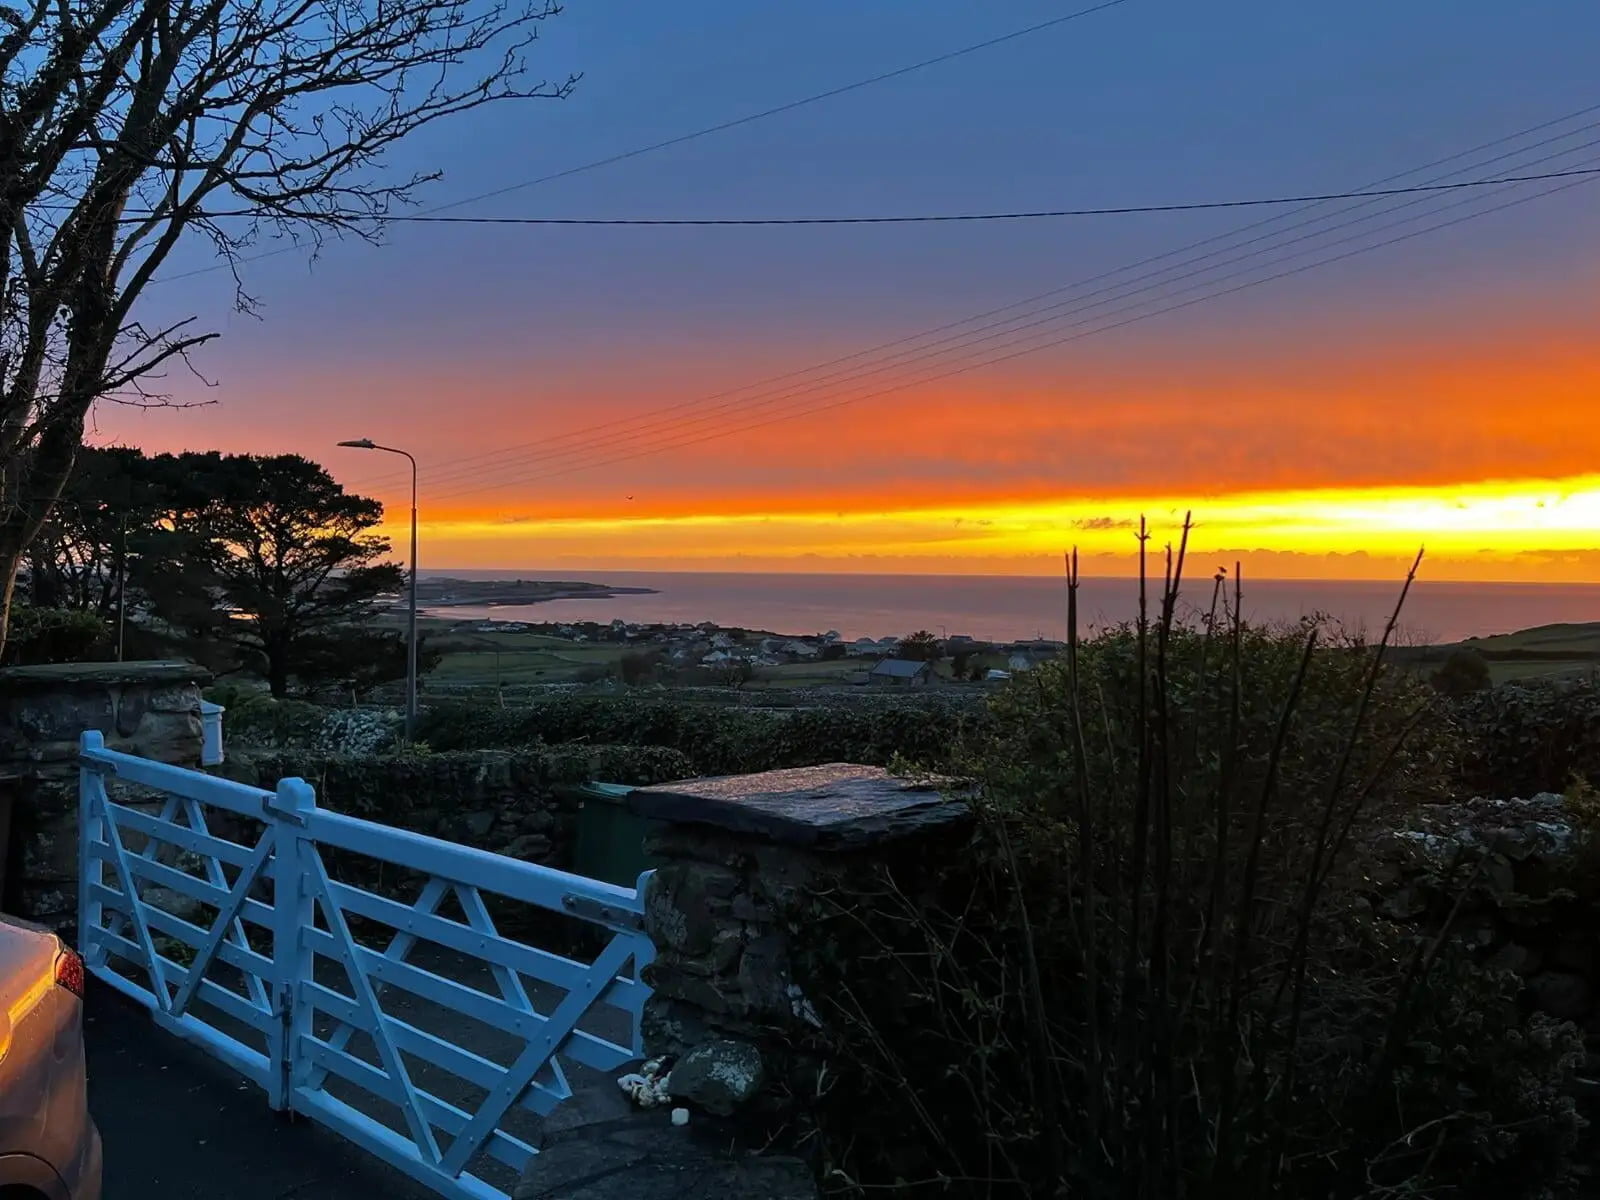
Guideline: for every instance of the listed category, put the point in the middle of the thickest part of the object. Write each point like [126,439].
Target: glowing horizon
[1537,530]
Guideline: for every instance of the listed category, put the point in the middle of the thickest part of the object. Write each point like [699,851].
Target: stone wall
[151,709]
[755,868]
[1531,908]
[522,803]
[505,801]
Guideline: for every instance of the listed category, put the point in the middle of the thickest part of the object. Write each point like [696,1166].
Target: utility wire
[618,424]
[884,77]
[707,131]
[936,218]
[946,374]
[663,418]
[137,215]
[792,411]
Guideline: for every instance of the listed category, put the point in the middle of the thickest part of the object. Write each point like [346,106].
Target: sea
[1001,608]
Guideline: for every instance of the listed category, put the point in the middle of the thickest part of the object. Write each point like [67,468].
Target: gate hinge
[601,913]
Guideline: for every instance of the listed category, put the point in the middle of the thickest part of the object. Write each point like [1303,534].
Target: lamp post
[411,619]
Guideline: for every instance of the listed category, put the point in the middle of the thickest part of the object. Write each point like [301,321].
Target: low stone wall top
[151,709]
[836,806]
[55,676]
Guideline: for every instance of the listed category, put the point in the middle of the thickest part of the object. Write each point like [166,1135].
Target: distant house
[1020,662]
[994,676]
[900,672]
[723,642]
[862,647]
[801,649]
[717,658]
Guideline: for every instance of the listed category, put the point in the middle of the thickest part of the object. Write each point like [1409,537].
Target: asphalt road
[178,1125]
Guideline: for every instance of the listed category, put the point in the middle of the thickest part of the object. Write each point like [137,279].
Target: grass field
[1544,651]
[487,660]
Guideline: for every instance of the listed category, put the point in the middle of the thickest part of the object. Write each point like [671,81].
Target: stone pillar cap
[833,806]
[157,671]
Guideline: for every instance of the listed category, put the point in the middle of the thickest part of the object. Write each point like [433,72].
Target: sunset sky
[836,399]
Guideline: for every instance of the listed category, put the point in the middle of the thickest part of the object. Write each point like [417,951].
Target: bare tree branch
[129,126]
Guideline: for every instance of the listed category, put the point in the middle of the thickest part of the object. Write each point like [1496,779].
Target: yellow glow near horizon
[1483,525]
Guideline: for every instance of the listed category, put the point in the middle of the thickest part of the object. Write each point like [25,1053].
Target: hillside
[1545,650]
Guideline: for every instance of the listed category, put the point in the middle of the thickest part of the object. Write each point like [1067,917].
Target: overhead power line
[1035,215]
[619,427]
[719,127]
[1086,307]
[839,372]
[776,110]
[814,410]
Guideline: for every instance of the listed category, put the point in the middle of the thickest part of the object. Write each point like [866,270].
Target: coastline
[447,592]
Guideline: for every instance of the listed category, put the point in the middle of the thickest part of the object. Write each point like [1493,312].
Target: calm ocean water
[1005,608]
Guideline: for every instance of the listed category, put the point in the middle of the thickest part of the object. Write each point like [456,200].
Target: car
[49,1146]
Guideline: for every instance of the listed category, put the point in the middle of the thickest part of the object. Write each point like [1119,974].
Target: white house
[801,649]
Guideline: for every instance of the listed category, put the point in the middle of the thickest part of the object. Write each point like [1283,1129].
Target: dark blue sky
[1148,101]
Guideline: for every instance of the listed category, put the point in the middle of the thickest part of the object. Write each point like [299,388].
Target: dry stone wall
[1530,873]
[751,865]
[151,709]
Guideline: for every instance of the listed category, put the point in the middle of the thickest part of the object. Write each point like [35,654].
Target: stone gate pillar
[732,911]
[151,709]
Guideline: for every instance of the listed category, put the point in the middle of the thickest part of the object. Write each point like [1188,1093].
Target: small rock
[479,823]
[718,1076]
[726,947]
[1563,995]
[680,1116]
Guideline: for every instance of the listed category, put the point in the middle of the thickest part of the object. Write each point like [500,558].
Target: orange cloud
[1324,455]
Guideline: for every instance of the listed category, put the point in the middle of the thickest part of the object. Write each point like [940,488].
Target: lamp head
[360,444]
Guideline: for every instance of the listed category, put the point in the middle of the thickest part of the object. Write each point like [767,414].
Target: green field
[514,658]
[474,660]
[517,659]
[1542,652]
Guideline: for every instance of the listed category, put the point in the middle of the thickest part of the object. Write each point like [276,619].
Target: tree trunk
[9,564]
[277,655]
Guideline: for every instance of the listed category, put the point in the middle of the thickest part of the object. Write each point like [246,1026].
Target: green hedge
[426,791]
[715,741]
[54,635]
[1537,736]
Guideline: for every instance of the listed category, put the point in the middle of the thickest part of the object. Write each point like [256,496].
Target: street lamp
[411,620]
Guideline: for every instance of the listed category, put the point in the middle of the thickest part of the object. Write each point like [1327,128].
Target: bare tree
[126,125]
